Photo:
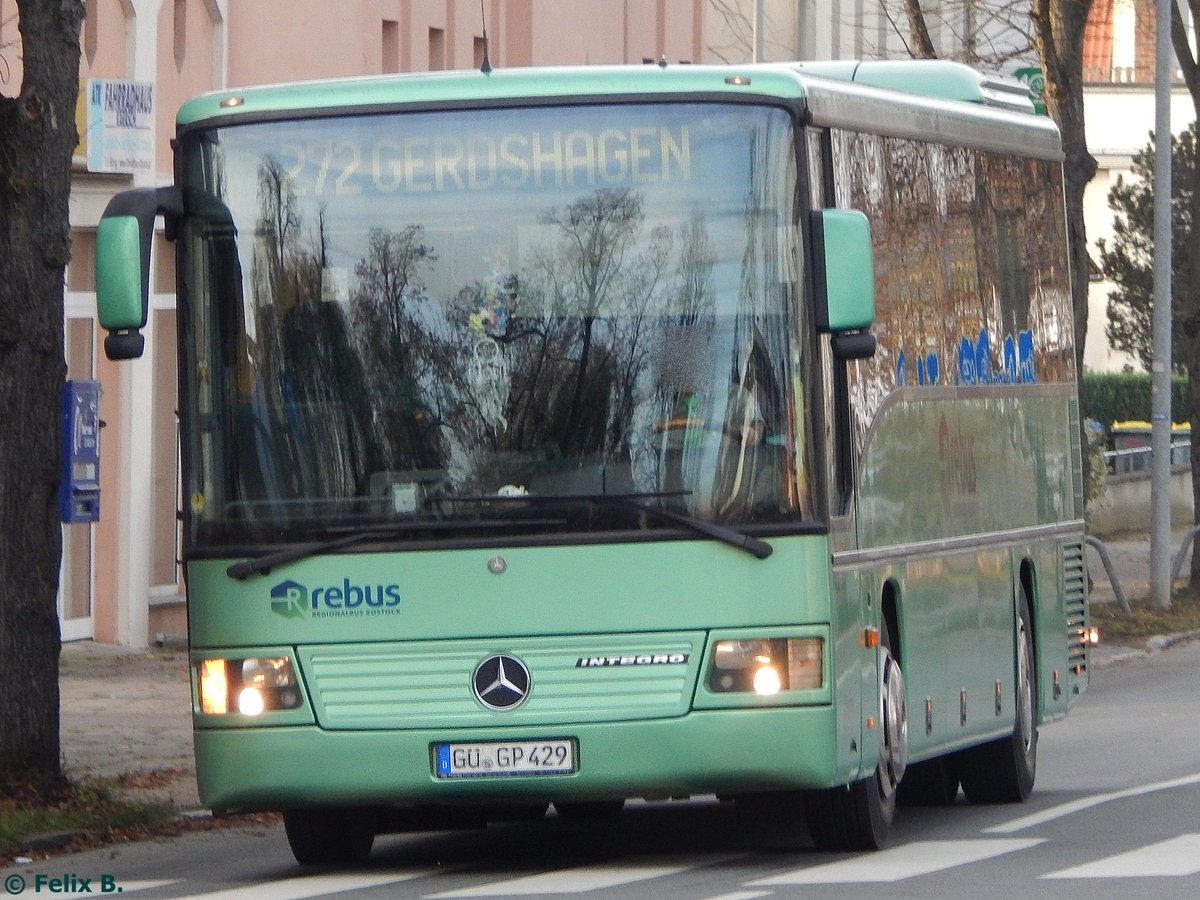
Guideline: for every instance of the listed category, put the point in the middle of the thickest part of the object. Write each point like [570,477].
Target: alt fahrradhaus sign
[120,126]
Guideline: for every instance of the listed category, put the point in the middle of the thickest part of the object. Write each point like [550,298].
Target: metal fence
[1137,459]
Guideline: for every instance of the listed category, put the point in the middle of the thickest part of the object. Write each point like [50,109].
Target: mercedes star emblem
[501,682]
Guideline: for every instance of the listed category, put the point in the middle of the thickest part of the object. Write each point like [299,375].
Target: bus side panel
[1060,625]
[964,421]
[990,486]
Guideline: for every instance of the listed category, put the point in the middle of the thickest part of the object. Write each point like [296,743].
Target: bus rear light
[766,666]
[259,684]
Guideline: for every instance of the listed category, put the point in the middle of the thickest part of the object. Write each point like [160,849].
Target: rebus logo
[289,599]
[345,599]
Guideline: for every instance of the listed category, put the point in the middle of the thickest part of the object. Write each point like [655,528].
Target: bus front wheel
[330,836]
[859,816]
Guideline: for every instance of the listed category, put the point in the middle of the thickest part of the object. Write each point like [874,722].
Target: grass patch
[1146,621]
[80,812]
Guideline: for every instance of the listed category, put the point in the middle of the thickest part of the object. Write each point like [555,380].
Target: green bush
[1123,396]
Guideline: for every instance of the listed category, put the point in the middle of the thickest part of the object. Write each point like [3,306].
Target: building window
[81,270]
[437,49]
[91,29]
[180,32]
[164,265]
[164,466]
[390,39]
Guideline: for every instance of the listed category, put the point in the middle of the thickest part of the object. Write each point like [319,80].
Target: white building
[1120,110]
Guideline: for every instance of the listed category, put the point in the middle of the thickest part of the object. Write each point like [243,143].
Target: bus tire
[330,836]
[1003,771]
[859,816]
[933,782]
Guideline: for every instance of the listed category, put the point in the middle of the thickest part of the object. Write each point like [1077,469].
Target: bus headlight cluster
[766,666]
[248,686]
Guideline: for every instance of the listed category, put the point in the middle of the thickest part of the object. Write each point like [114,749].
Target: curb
[1156,644]
[1167,641]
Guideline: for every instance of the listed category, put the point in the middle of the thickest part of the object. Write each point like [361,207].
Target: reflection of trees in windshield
[398,354]
[575,364]
[316,405]
[601,351]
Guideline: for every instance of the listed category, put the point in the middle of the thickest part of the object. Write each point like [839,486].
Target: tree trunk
[1058,30]
[37,138]
[922,44]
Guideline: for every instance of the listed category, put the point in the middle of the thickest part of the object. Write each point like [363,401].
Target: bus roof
[845,94]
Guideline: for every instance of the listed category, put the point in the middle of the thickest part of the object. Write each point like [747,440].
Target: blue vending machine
[79,487]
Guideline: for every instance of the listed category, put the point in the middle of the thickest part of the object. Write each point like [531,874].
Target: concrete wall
[1124,505]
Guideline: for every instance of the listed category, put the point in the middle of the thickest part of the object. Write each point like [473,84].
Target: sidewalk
[128,714]
[1130,558]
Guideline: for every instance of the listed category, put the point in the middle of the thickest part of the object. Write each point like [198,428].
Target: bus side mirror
[123,241]
[845,280]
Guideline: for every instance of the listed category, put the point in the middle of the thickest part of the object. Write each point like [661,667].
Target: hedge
[1120,396]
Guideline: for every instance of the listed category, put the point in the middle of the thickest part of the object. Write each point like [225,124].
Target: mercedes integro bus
[564,436]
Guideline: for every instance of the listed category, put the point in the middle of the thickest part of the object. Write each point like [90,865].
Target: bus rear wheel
[330,836]
[859,816]
[1003,771]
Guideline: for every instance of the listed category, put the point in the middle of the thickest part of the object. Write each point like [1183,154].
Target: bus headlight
[257,684]
[766,666]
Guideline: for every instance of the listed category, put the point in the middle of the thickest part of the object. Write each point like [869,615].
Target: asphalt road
[1116,813]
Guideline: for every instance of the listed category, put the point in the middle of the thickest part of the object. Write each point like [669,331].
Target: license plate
[481,760]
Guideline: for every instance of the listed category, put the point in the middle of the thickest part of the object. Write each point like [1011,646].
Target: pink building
[120,578]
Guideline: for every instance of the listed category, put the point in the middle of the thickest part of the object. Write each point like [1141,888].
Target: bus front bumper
[712,752]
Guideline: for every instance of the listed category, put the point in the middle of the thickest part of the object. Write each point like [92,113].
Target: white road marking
[126,887]
[582,879]
[1074,806]
[1177,856]
[899,863]
[310,886]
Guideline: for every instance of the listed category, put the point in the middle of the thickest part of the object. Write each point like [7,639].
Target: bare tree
[922,43]
[1058,30]
[37,138]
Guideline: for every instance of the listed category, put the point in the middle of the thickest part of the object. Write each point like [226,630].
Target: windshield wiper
[757,548]
[262,565]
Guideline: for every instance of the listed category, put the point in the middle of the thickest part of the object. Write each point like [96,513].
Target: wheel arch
[1027,585]
[889,612]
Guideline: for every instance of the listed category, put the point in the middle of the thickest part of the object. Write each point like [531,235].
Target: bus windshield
[477,323]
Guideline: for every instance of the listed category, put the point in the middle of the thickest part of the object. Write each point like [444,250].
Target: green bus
[566,436]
